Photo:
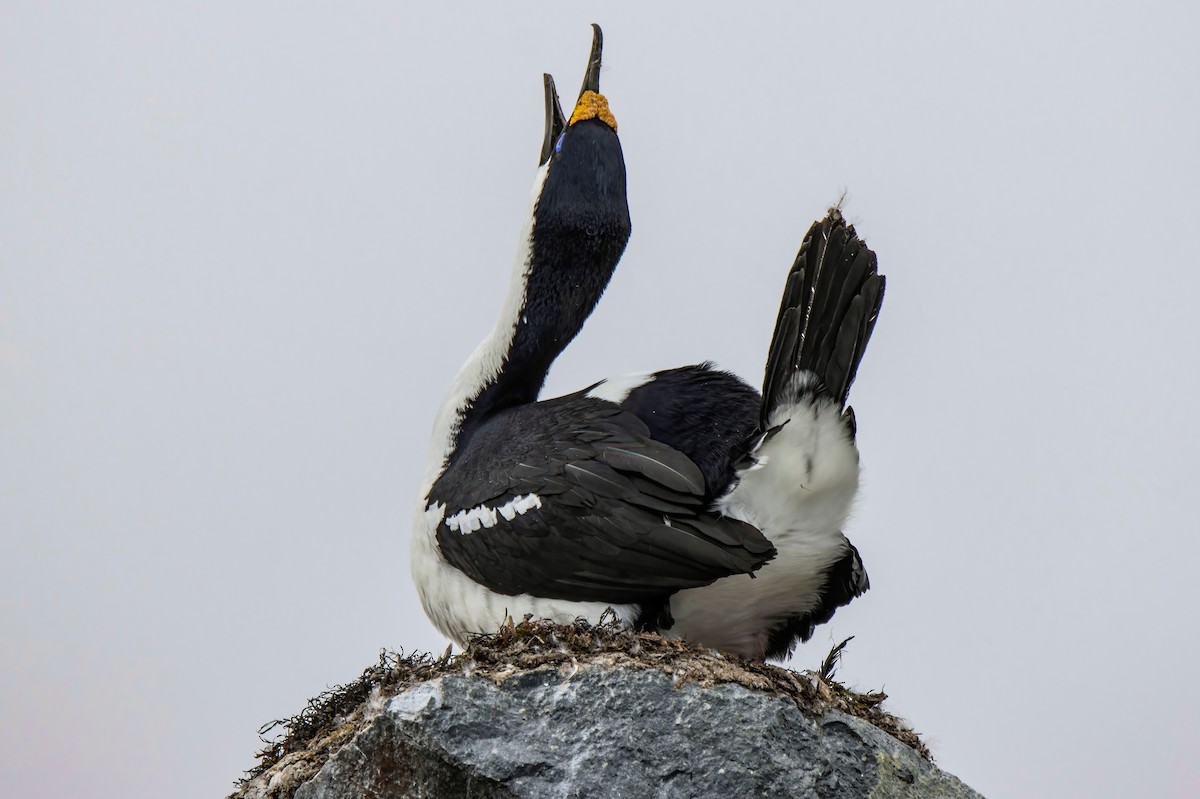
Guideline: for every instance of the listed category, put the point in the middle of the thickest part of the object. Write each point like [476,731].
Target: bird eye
[558,144]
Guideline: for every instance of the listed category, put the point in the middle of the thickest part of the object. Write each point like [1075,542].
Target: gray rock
[603,732]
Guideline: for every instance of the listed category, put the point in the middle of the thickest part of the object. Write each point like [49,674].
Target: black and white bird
[682,500]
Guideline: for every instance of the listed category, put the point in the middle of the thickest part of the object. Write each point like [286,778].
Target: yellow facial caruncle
[593,105]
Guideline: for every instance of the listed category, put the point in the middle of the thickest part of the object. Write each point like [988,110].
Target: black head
[581,215]
[578,231]
[582,203]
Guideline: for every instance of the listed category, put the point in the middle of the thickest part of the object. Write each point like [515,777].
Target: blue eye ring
[558,144]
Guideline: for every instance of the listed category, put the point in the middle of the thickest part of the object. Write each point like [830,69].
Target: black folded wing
[571,499]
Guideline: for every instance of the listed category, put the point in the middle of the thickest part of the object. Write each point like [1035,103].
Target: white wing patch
[468,521]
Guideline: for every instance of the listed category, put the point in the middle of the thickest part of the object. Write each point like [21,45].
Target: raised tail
[799,476]
[829,307]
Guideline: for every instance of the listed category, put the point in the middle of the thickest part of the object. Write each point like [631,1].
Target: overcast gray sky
[244,248]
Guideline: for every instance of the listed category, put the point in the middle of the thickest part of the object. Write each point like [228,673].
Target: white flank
[800,498]
[618,389]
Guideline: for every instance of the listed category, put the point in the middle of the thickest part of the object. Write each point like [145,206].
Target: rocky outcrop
[543,711]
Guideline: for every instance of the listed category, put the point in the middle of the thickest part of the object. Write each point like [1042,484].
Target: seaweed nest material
[295,748]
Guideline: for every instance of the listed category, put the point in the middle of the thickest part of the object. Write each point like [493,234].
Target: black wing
[571,499]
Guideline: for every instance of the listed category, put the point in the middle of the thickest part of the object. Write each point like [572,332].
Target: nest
[295,748]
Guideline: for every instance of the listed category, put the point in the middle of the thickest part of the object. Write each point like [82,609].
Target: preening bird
[683,500]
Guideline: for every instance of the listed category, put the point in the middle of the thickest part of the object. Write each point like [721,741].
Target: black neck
[574,237]
[568,274]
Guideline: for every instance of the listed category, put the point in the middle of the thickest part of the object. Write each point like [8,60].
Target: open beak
[591,78]
[556,121]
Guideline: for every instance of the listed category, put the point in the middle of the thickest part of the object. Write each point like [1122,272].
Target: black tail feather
[829,306]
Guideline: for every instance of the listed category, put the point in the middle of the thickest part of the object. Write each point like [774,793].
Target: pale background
[245,246]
